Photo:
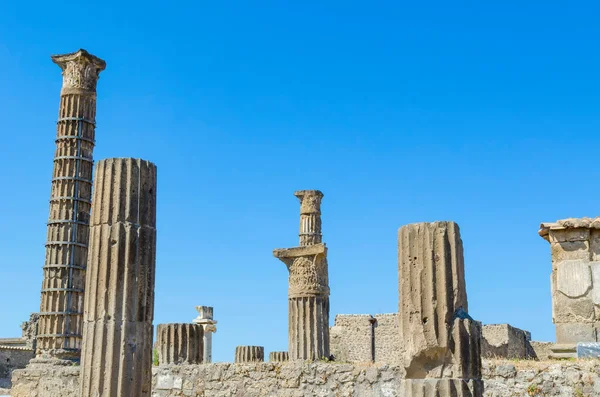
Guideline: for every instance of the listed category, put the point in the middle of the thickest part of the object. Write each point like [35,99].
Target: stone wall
[387,338]
[502,379]
[505,341]
[12,358]
[351,338]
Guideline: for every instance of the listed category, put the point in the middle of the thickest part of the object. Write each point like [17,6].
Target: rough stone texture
[12,358]
[439,339]
[541,349]
[308,292]
[505,341]
[296,379]
[179,343]
[119,307]
[351,338]
[575,279]
[387,339]
[249,354]
[278,357]
[61,306]
[209,326]
[30,331]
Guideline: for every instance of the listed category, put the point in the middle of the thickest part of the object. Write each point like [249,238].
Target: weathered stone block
[575,332]
[575,250]
[504,341]
[574,310]
[569,235]
[352,338]
[573,277]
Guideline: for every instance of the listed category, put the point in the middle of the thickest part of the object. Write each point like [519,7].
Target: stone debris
[119,307]
[249,354]
[308,293]
[179,343]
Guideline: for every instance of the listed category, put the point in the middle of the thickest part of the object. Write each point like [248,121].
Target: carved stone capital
[310,201]
[81,70]
[309,275]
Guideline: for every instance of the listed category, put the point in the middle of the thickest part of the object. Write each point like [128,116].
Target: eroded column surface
[179,343]
[119,306]
[61,306]
[575,281]
[440,342]
[308,292]
[209,326]
[249,354]
[278,357]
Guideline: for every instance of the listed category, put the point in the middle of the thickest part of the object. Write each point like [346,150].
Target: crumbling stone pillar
[61,306]
[308,293]
[209,325]
[249,354]
[119,306]
[440,342]
[179,343]
[575,281]
[277,357]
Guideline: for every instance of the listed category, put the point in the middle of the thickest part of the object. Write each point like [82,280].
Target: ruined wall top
[81,70]
[310,201]
[569,223]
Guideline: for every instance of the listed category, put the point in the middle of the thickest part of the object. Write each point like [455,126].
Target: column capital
[310,201]
[81,70]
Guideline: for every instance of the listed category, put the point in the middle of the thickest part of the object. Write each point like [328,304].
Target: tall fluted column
[440,342]
[60,324]
[308,293]
[119,306]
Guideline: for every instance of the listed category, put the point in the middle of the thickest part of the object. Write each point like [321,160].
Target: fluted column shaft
[308,293]
[439,339]
[179,343]
[119,305]
[249,354]
[60,324]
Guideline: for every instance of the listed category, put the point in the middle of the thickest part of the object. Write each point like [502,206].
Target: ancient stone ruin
[97,302]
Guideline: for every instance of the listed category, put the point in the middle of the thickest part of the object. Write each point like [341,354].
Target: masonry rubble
[575,281]
[308,293]
[119,306]
[209,326]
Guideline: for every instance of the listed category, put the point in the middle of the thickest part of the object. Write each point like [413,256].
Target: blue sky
[481,113]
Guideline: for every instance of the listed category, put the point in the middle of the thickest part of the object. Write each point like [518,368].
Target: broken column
[308,292]
[249,354]
[440,342]
[61,306]
[116,356]
[179,343]
[575,282]
[278,357]
[209,325]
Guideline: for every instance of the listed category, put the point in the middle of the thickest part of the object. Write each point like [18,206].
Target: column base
[441,388]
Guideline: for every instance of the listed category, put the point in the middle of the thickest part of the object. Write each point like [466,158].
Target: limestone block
[277,357]
[386,334]
[572,250]
[249,354]
[541,349]
[568,235]
[179,343]
[352,338]
[504,341]
[572,309]
[595,245]
[573,277]
[595,268]
[575,332]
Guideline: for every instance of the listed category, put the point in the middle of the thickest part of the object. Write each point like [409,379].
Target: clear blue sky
[482,113]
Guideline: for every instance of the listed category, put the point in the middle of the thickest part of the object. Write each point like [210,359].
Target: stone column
[440,342]
[308,293]
[60,323]
[278,357]
[205,319]
[119,306]
[179,343]
[249,354]
[574,281]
